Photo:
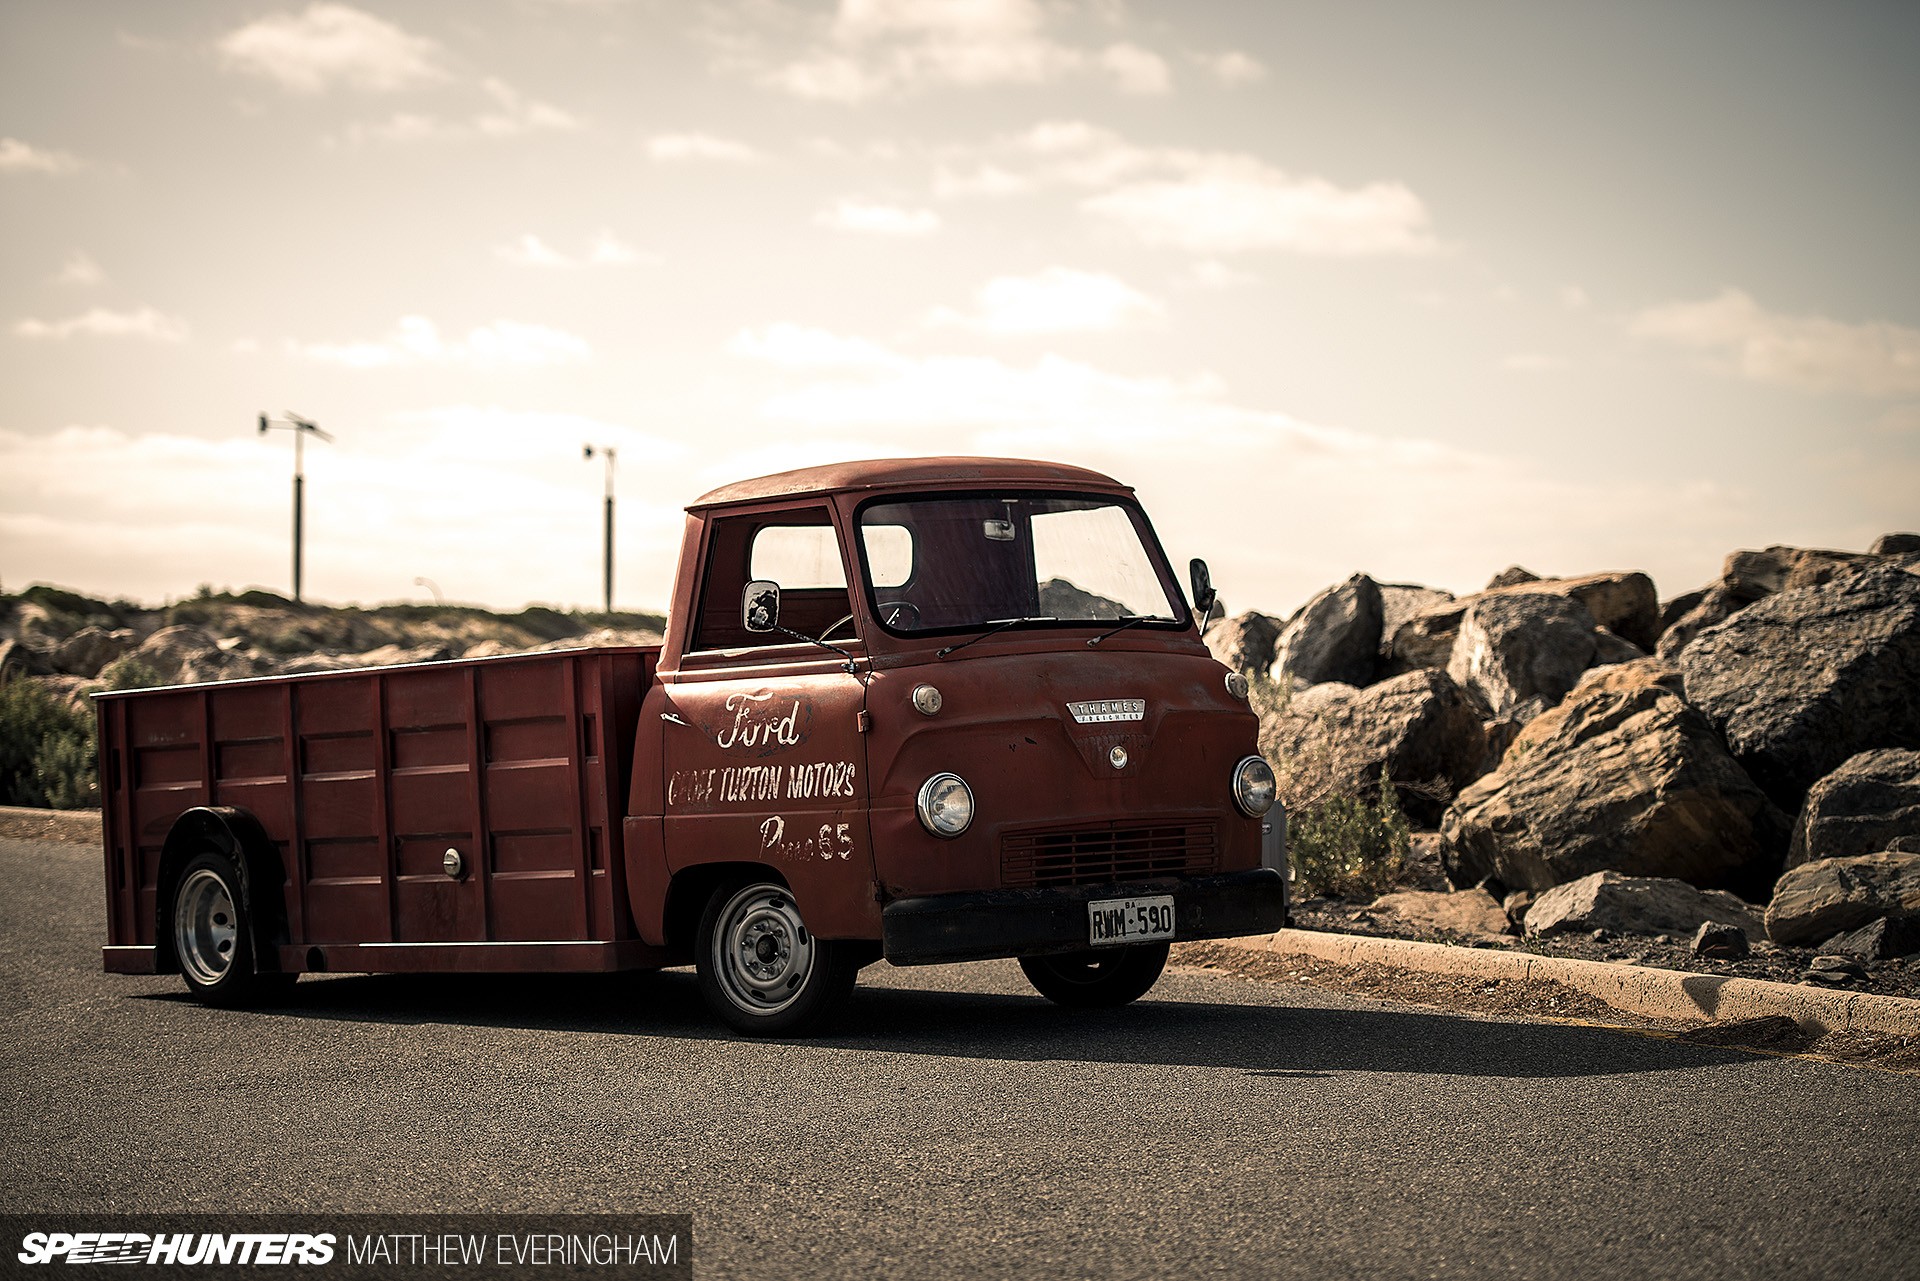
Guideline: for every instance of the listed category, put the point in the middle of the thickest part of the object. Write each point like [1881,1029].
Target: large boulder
[1627,780]
[1869,804]
[91,648]
[1634,673]
[1334,637]
[1714,605]
[1402,601]
[1636,905]
[1829,896]
[1802,680]
[1512,576]
[187,654]
[1245,642]
[1511,648]
[1419,728]
[1750,575]
[1473,913]
[1624,603]
[1896,545]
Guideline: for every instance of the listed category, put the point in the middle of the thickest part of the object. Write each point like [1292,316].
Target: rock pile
[1585,748]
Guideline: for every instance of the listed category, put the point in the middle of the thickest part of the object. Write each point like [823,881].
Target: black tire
[1097,980]
[762,971]
[212,934]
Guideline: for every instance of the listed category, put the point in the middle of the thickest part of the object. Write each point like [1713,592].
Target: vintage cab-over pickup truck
[928,710]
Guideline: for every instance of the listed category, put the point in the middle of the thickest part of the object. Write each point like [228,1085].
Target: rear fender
[237,834]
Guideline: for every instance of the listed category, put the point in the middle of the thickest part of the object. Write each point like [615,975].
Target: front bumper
[994,923]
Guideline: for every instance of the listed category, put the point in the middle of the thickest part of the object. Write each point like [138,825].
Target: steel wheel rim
[205,928]
[762,951]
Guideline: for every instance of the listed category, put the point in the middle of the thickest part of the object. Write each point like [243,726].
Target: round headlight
[1253,786]
[1237,685]
[945,805]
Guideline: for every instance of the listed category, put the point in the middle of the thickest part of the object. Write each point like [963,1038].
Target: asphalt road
[958,1126]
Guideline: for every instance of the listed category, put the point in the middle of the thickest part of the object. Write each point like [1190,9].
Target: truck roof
[891,473]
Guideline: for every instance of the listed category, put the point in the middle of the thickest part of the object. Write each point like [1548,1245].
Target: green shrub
[128,672]
[46,749]
[1349,847]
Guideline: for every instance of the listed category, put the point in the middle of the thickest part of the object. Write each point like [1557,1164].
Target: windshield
[954,563]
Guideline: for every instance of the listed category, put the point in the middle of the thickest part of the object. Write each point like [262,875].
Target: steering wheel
[890,613]
[834,627]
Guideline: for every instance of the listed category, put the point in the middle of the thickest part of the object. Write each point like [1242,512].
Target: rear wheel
[762,970]
[213,937]
[1097,980]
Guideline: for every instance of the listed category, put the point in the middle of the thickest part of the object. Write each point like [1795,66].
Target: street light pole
[607,557]
[300,428]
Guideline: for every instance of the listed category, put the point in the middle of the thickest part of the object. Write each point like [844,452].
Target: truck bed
[362,780]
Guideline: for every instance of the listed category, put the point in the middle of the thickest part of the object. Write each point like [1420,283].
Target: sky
[1387,286]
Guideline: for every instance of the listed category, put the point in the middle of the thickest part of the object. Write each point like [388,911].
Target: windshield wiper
[1130,620]
[999,625]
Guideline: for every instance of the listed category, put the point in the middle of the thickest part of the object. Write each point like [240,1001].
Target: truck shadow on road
[1263,1038]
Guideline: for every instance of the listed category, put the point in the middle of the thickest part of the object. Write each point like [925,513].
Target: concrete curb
[1651,993]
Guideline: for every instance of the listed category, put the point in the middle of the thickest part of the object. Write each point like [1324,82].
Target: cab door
[763,749]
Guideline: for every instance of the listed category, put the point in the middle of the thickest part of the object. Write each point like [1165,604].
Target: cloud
[415,340]
[1813,353]
[512,115]
[870,48]
[1206,202]
[332,44]
[1534,362]
[20,157]
[1057,300]
[699,146]
[799,347]
[1231,67]
[494,504]
[1233,204]
[1211,273]
[879,220]
[102,323]
[1202,460]
[607,250]
[79,269]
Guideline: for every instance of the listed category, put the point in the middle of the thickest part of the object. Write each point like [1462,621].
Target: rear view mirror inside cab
[998,531]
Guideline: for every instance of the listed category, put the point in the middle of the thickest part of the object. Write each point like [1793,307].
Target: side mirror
[760,605]
[1204,597]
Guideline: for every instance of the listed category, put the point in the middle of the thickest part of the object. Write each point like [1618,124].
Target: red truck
[928,710]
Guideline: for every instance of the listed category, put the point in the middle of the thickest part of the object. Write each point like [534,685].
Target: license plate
[1129,920]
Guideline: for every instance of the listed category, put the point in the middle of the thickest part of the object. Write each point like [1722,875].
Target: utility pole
[587,452]
[300,428]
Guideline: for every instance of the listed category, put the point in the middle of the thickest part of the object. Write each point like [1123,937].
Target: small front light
[927,700]
[1237,685]
[945,805]
[1253,786]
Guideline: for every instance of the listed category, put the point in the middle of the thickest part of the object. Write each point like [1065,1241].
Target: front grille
[1108,853]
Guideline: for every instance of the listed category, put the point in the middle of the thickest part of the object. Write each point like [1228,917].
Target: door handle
[669,716]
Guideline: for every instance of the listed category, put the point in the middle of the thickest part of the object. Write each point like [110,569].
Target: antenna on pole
[586,452]
[301,429]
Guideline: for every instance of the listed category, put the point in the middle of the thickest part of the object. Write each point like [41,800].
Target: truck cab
[943,710]
[926,710]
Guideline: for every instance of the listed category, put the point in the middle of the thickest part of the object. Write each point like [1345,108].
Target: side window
[798,557]
[798,549]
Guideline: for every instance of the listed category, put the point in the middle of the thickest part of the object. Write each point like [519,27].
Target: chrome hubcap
[762,950]
[205,927]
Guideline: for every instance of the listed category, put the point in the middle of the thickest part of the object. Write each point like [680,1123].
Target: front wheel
[213,939]
[762,970]
[1097,980]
